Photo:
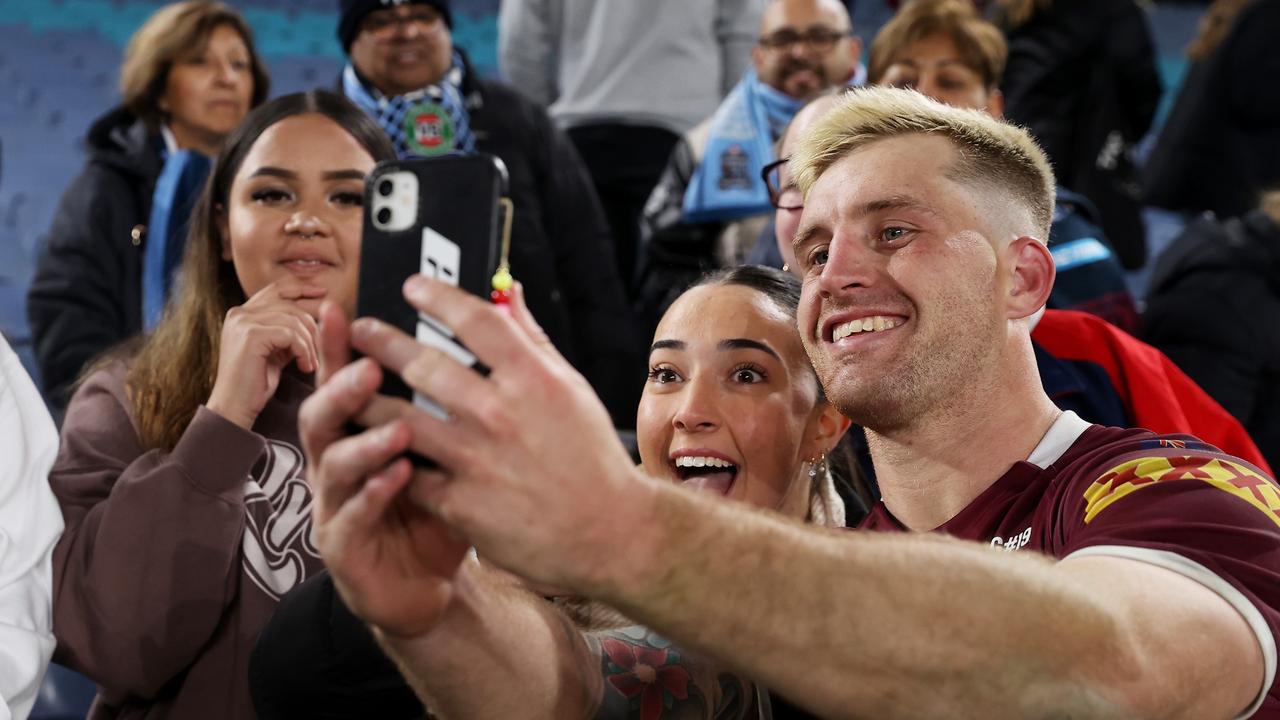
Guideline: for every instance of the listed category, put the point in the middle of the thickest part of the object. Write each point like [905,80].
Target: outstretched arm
[501,651]
[848,624]
[471,641]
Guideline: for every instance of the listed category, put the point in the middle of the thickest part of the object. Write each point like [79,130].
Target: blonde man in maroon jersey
[1076,571]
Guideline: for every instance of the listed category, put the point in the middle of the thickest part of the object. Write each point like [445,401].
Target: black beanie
[353,12]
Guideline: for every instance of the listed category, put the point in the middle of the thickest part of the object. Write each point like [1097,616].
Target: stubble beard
[923,382]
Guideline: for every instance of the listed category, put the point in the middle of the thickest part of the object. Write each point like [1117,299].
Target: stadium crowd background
[58,71]
[58,65]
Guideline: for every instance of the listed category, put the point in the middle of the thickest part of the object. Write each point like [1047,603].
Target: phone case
[453,236]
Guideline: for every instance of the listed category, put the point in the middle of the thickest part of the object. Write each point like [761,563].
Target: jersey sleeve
[1187,507]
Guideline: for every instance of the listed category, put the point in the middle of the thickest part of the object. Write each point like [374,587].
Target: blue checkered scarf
[390,111]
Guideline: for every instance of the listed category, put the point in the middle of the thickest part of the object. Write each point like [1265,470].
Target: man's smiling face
[901,281]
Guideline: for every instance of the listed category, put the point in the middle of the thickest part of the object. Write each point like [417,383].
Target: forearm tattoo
[647,678]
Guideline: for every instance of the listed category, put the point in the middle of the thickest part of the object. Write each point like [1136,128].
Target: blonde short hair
[991,153]
[172,33]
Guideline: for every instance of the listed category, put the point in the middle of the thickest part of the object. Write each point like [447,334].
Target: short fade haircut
[172,33]
[981,45]
[991,153]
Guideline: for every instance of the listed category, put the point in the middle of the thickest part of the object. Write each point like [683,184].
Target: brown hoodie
[172,562]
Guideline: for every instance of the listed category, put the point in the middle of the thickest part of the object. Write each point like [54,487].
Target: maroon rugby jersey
[1170,500]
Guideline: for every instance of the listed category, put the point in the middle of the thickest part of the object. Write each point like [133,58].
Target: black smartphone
[444,217]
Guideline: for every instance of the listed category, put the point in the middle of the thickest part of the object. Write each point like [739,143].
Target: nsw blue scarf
[177,188]
[727,185]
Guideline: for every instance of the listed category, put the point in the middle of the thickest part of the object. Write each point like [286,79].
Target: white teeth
[690,461]
[876,323]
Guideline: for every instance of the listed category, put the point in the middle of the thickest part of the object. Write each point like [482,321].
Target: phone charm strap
[502,280]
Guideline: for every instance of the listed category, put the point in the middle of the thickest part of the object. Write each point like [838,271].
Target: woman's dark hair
[176,365]
[783,289]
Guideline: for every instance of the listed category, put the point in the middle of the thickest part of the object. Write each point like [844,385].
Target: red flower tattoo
[652,675]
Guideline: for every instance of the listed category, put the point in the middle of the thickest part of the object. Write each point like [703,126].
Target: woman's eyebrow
[668,345]
[274,172]
[271,171]
[343,175]
[746,344]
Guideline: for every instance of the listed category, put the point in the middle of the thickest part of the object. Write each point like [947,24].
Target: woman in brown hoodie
[180,477]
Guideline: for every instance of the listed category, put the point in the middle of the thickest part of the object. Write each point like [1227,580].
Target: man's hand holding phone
[525,468]
[392,561]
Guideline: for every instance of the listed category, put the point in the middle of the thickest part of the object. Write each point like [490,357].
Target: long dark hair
[175,367]
[783,290]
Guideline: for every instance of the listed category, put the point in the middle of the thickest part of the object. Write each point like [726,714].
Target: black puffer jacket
[1214,308]
[561,248]
[87,292]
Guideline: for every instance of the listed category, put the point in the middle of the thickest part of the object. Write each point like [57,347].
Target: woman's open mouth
[705,473]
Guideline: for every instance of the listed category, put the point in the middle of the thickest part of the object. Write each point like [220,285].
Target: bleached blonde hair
[991,153]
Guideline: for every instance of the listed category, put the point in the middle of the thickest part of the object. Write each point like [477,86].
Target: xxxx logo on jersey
[1235,478]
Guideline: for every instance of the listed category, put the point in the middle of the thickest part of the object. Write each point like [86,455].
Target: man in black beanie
[399,45]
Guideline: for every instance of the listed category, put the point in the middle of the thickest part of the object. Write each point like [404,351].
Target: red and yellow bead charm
[502,287]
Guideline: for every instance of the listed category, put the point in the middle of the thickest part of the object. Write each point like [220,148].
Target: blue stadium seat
[65,695]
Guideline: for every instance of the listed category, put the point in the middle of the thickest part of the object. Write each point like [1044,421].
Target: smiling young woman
[181,477]
[732,404]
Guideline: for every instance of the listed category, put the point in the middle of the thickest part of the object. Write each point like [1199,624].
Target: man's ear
[855,57]
[757,57]
[1033,272]
[224,237]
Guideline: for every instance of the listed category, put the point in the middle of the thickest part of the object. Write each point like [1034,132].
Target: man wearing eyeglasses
[711,202]
[407,74]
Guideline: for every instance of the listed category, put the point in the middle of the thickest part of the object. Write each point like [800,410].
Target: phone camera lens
[384,216]
[385,188]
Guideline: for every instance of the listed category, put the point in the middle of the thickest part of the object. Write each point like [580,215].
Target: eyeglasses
[816,39]
[782,197]
[383,24]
